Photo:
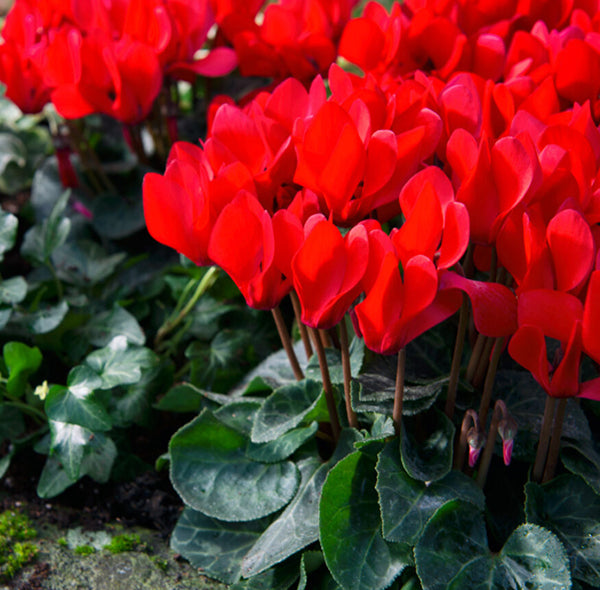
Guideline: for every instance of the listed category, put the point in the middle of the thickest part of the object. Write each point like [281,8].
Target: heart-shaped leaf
[212,473]
[453,552]
[350,528]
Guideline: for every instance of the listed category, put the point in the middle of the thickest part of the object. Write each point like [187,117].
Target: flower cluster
[473,125]
[112,57]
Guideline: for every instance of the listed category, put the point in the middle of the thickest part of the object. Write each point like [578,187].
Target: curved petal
[528,348]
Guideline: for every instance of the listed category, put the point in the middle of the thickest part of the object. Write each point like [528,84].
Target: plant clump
[16,550]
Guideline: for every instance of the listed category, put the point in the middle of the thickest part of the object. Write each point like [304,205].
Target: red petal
[572,247]
[528,348]
[591,318]
[494,306]
[553,312]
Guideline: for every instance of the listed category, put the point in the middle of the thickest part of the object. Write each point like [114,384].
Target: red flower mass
[459,123]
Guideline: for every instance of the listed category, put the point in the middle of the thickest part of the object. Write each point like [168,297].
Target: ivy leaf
[407,504]
[43,239]
[76,403]
[96,460]
[349,518]
[12,423]
[429,459]
[183,397]
[8,231]
[103,327]
[214,546]
[453,552]
[47,318]
[118,216]
[85,263]
[212,474]
[71,444]
[120,364]
[21,361]
[287,407]
[570,508]
[13,290]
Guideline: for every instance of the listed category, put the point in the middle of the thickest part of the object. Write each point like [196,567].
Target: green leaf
[525,400]
[76,403]
[427,456]
[103,327]
[183,397]
[120,364]
[14,175]
[582,458]
[238,414]
[287,407]
[275,370]
[68,444]
[21,361]
[296,527]
[281,448]
[116,216]
[280,577]
[8,231]
[47,318]
[12,424]
[377,395]
[453,552]
[350,528]
[334,362]
[571,509]
[407,504]
[214,546]
[75,452]
[53,479]
[43,239]
[13,290]
[85,263]
[212,474]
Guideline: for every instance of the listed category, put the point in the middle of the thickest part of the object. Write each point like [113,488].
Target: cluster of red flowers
[111,56]
[474,123]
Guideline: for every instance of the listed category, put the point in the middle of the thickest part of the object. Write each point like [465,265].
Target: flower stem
[456,357]
[544,440]
[286,341]
[327,386]
[173,321]
[399,392]
[345,347]
[554,449]
[475,356]
[500,412]
[484,362]
[490,377]
[301,326]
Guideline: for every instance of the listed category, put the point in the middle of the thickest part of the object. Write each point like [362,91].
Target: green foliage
[125,542]
[15,548]
[103,330]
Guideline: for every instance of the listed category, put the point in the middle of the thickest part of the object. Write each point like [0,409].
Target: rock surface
[153,566]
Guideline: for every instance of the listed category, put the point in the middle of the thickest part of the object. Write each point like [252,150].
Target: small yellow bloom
[42,390]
